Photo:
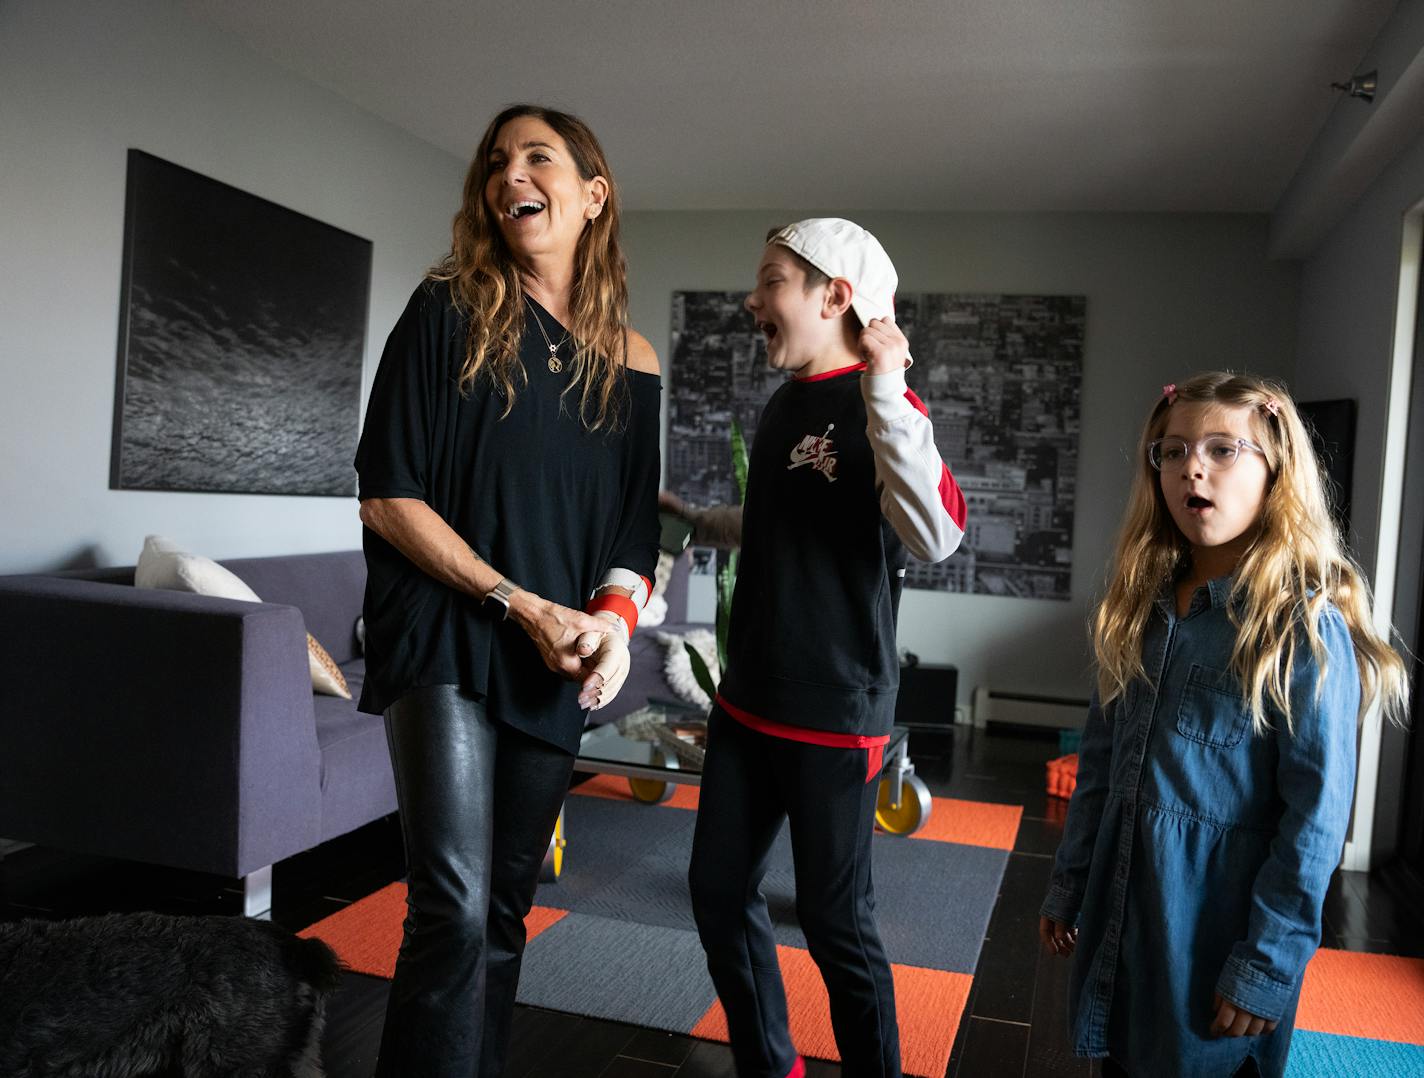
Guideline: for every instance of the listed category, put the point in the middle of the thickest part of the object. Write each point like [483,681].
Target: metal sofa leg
[257,894]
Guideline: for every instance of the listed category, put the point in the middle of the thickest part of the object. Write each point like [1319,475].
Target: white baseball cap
[841,248]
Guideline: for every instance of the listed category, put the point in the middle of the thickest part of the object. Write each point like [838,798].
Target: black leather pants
[478,801]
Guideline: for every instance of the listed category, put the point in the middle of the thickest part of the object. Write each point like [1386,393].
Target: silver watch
[501,593]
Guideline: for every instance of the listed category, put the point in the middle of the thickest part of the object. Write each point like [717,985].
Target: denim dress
[1196,854]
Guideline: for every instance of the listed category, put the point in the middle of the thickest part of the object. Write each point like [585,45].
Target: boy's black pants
[752,781]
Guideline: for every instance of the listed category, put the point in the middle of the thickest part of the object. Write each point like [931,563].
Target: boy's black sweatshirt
[812,635]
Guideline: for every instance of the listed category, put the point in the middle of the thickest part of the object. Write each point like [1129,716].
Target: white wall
[1167,296]
[1349,289]
[81,83]
[1358,194]
[1349,292]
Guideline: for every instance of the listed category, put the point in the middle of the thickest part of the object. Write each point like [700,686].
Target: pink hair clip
[1170,392]
[1273,406]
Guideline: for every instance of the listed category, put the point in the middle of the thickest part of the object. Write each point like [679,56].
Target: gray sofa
[182,730]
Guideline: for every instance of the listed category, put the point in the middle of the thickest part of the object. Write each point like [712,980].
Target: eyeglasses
[1217,452]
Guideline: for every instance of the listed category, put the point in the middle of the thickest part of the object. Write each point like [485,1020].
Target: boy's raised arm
[918,495]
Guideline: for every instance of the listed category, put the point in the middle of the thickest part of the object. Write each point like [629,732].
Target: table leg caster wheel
[553,865]
[903,811]
[654,791]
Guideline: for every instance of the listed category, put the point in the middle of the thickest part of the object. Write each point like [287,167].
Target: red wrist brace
[618,604]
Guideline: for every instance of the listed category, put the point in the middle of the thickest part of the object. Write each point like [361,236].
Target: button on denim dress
[1196,853]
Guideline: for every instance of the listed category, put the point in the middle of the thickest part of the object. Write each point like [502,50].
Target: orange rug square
[970,823]
[928,1002]
[1363,995]
[366,935]
[615,788]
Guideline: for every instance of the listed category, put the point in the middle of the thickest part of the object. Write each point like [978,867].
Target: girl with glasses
[1235,653]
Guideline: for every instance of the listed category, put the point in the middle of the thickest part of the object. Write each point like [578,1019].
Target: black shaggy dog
[145,993]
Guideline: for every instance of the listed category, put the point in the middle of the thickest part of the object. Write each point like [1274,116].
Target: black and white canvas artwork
[241,333]
[1001,376]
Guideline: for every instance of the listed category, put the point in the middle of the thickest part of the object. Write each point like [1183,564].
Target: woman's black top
[542,499]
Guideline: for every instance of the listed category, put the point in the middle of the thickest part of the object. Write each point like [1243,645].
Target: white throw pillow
[163,564]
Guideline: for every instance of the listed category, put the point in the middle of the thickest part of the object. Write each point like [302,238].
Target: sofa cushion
[356,781]
[327,588]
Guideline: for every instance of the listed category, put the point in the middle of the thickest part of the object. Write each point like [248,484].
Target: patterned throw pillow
[325,674]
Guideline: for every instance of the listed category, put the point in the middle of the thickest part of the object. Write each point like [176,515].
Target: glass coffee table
[660,747]
[656,748]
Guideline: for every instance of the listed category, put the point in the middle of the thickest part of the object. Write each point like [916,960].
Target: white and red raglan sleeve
[918,495]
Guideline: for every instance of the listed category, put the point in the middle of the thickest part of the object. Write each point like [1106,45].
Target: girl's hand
[1231,1021]
[883,347]
[564,636]
[1057,937]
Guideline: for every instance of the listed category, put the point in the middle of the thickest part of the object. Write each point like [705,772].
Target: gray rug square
[627,862]
[606,841]
[619,970]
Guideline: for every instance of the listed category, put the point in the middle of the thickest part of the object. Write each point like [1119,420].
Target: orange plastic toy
[1063,775]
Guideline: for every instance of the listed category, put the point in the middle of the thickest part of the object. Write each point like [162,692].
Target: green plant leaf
[700,671]
[739,461]
[727,579]
[724,618]
[726,586]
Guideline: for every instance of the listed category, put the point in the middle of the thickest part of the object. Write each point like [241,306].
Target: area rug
[614,938]
[1360,1014]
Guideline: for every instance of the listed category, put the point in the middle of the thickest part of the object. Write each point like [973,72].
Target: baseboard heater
[1028,709]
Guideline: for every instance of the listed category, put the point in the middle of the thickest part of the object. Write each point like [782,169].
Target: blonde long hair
[485,285]
[1294,567]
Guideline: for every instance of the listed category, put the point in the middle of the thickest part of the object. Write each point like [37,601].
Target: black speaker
[927,696]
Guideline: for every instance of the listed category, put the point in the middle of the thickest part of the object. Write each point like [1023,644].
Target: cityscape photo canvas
[1002,377]
[241,335]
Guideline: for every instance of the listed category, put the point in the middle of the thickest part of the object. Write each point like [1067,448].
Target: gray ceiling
[1120,105]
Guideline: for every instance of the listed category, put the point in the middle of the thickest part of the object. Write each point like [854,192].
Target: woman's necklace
[555,363]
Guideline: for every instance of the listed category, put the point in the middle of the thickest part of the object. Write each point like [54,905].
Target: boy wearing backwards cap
[844,479]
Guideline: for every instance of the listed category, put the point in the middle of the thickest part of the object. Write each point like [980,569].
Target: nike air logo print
[817,451]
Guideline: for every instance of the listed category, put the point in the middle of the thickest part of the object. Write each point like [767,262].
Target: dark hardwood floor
[1014,1025]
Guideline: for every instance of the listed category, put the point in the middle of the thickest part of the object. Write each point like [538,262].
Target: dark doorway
[1412,843]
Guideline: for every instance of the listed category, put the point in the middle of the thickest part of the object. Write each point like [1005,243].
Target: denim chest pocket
[1212,710]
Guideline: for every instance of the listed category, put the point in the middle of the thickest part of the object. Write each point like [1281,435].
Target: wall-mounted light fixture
[1360,86]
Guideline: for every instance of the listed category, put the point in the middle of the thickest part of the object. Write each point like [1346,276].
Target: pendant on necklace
[555,363]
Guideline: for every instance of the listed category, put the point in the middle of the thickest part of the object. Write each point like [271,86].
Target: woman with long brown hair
[511,435]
